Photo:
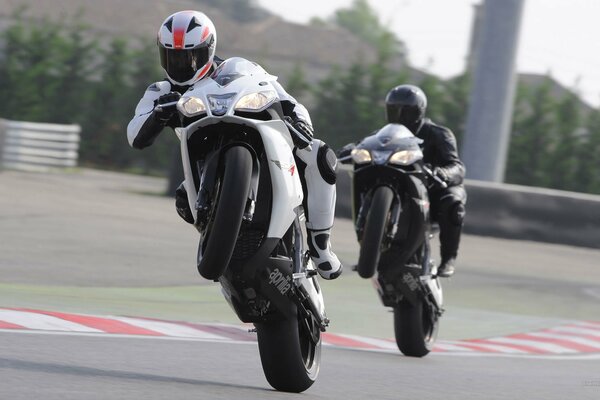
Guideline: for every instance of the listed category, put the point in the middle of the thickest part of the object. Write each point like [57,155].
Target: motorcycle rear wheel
[218,245]
[289,357]
[415,332]
[375,225]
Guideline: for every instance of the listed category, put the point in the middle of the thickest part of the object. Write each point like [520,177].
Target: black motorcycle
[393,227]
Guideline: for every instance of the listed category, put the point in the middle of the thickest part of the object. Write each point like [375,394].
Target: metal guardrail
[515,212]
[29,146]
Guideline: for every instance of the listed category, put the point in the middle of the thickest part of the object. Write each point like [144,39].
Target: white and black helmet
[186,44]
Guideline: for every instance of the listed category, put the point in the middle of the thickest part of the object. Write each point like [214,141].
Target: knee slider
[327,164]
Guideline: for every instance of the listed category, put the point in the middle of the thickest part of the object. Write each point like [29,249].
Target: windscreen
[235,68]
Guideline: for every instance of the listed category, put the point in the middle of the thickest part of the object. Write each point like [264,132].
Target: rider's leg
[450,217]
[317,171]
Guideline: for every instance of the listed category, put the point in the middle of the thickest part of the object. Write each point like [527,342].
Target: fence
[29,146]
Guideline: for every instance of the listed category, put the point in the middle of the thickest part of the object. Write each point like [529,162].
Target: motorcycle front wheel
[414,329]
[290,357]
[217,246]
[375,225]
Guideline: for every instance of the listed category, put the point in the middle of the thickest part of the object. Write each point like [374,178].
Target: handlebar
[346,159]
[298,134]
[161,107]
[436,178]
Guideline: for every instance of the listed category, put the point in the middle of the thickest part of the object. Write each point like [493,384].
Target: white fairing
[436,290]
[220,99]
[314,291]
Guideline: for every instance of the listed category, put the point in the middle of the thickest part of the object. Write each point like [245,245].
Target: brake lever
[161,107]
[436,178]
[298,134]
[346,159]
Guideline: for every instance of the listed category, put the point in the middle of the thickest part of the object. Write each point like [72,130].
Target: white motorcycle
[246,198]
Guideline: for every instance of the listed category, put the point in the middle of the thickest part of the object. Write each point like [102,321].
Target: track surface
[100,243]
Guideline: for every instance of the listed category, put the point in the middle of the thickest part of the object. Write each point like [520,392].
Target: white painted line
[451,347]
[542,346]
[590,325]
[169,329]
[500,348]
[577,330]
[379,343]
[42,321]
[575,339]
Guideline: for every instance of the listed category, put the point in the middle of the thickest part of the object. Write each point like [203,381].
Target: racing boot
[328,264]
[446,268]
[317,165]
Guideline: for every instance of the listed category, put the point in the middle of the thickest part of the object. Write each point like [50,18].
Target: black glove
[436,177]
[165,113]
[302,132]
[441,173]
[346,150]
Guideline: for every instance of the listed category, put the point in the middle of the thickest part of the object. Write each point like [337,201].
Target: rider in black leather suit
[406,105]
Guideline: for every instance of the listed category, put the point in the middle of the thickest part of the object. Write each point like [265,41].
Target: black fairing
[404,257]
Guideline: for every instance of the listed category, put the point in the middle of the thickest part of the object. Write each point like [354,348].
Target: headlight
[191,106]
[361,156]
[256,101]
[405,157]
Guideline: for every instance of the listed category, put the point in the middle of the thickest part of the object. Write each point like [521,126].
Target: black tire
[289,357]
[218,247]
[415,333]
[375,224]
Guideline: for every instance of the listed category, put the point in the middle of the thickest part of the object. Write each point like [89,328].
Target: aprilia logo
[410,281]
[291,168]
[280,281]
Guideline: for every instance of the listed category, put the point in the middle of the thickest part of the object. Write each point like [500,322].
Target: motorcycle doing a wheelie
[393,227]
[246,199]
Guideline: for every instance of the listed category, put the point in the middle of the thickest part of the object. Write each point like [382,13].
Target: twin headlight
[402,157]
[192,106]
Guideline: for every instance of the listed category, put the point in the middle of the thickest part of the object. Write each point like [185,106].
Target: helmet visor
[182,64]
[402,114]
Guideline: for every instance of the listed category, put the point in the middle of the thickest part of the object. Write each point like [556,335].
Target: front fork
[209,171]
[392,227]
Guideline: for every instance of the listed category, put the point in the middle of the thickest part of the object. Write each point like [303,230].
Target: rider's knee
[452,209]
[457,213]
[327,163]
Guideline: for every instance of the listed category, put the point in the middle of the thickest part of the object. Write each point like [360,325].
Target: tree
[362,21]
[533,136]
[588,155]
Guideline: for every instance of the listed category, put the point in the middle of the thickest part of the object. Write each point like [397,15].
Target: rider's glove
[346,150]
[302,132]
[441,173]
[165,113]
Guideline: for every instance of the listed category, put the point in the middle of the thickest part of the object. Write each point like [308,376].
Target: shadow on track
[61,369]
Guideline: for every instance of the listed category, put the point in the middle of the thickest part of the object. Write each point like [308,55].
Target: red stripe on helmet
[205,33]
[178,35]
[204,70]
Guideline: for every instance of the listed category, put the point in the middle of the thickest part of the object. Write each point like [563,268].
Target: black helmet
[406,104]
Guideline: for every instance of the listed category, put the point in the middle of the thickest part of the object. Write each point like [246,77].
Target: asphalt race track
[521,320]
